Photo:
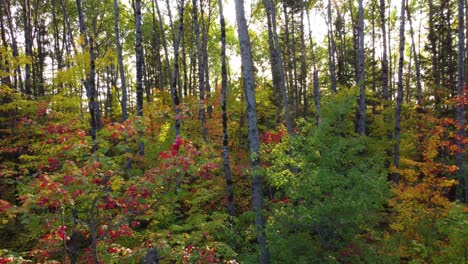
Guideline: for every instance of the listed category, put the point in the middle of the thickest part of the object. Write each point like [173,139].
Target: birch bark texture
[254,142]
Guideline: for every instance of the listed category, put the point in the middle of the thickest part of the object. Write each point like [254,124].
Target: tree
[224,83]
[460,111]
[360,80]
[399,91]
[139,59]
[90,85]
[276,60]
[201,70]
[123,82]
[254,143]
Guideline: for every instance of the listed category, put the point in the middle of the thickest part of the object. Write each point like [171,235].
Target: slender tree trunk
[5,80]
[384,51]
[123,82]
[254,143]
[315,77]
[460,111]
[14,47]
[67,22]
[287,63]
[204,31]
[303,64]
[331,49]
[317,98]
[201,75]
[57,50]
[164,42]
[139,60]
[373,46]
[396,161]
[361,121]
[27,44]
[227,166]
[156,48]
[175,96]
[276,61]
[91,92]
[416,57]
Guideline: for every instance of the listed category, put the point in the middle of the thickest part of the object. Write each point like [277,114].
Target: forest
[220,131]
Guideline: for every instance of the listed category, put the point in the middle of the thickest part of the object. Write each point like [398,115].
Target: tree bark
[276,61]
[14,46]
[175,76]
[226,163]
[416,57]
[361,121]
[399,100]
[201,74]
[460,111]
[91,92]
[123,82]
[27,44]
[139,60]
[331,49]
[384,55]
[254,143]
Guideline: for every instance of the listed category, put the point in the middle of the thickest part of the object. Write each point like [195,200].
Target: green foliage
[330,184]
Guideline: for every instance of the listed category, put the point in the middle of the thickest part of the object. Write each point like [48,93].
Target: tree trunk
[139,60]
[303,65]
[416,57]
[331,49]
[361,81]
[254,143]
[95,118]
[399,100]
[175,76]
[315,77]
[164,42]
[276,61]
[123,82]
[227,166]
[460,112]
[156,48]
[201,74]
[14,47]
[384,55]
[27,44]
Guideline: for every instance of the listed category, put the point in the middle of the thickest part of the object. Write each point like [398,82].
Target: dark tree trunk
[276,61]
[226,163]
[416,57]
[164,42]
[288,63]
[384,55]
[123,82]
[201,74]
[139,60]
[460,111]
[156,48]
[27,44]
[303,65]
[91,92]
[151,257]
[175,76]
[399,100]
[331,49]
[14,46]
[254,143]
[315,77]
[361,120]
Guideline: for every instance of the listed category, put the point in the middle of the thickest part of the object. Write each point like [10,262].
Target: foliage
[330,184]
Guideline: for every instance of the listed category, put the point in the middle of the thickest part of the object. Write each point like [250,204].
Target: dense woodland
[291,131]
